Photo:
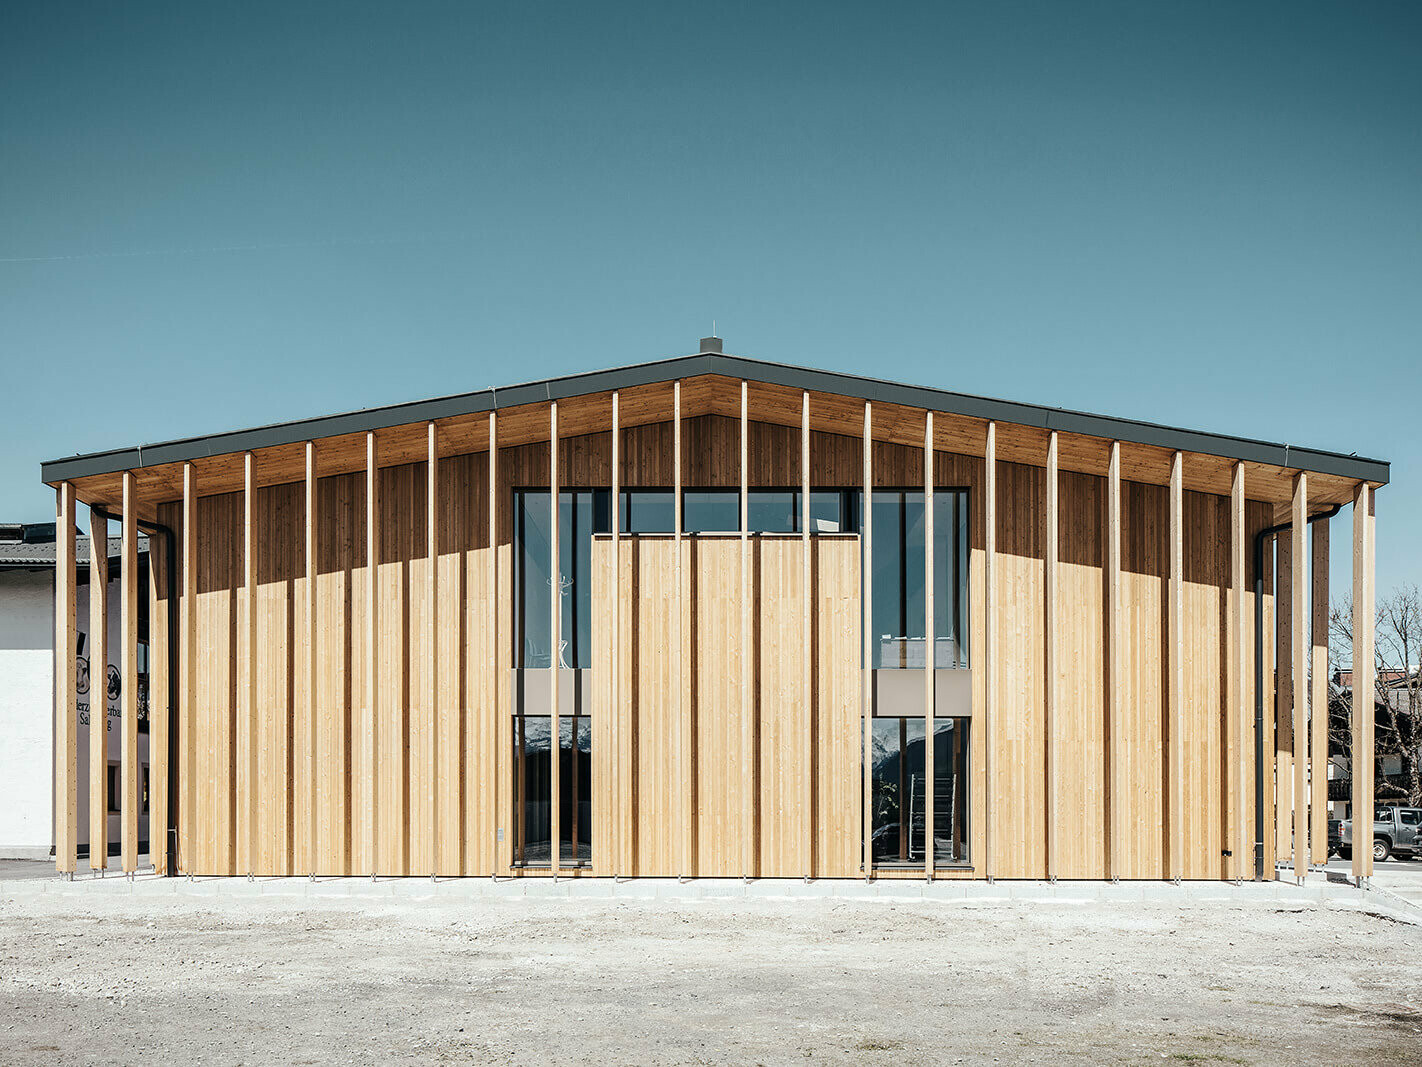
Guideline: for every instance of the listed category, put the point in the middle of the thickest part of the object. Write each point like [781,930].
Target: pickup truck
[1396,830]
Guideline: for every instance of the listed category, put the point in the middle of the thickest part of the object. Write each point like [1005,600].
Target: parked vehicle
[1396,831]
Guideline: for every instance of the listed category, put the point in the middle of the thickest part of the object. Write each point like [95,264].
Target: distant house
[27,553]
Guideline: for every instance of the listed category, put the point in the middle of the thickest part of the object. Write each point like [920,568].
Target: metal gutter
[849,385]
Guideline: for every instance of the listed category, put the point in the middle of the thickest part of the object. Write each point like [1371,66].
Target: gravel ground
[110,979]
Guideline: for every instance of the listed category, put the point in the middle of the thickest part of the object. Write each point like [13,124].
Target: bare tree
[1397,689]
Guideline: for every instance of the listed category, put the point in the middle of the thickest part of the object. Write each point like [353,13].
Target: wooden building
[378,648]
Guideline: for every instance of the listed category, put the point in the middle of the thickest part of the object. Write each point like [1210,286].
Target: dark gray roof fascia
[873,389]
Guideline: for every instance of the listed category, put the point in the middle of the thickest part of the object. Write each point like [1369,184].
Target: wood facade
[346,675]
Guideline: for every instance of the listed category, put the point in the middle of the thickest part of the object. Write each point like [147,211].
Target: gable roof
[728,366]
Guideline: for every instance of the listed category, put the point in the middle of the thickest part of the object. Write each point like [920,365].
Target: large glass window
[581,513]
[899,794]
[533,791]
[897,613]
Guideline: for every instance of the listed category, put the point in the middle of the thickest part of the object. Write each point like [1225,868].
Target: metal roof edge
[732,366]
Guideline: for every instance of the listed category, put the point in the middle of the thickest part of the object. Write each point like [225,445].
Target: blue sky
[1206,214]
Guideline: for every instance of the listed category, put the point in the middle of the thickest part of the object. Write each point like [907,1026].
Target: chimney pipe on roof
[711,344]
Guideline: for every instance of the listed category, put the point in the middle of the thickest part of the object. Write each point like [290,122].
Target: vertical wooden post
[555,743]
[614,731]
[372,649]
[1363,681]
[1050,657]
[1176,647]
[498,722]
[66,743]
[930,657]
[807,750]
[313,851]
[748,753]
[247,732]
[160,644]
[1284,699]
[1318,704]
[432,637]
[1239,718]
[98,691]
[683,740]
[1115,725]
[128,675]
[990,634]
[866,685]
[189,776]
[1300,668]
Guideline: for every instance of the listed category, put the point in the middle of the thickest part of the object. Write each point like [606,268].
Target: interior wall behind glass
[581,513]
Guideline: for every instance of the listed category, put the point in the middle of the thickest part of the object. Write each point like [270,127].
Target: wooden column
[66,697]
[187,651]
[98,652]
[615,582]
[1175,644]
[866,512]
[555,823]
[1240,721]
[930,654]
[748,752]
[160,662]
[432,637]
[1363,680]
[1115,724]
[128,676]
[990,635]
[1050,553]
[807,751]
[247,724]
[314,776]
[1300,663]
[372,650]
[683,705]
[1318,703]
[497,721]
[1284,699]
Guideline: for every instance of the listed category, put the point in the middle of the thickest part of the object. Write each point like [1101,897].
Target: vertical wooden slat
[1175,650]
[683,739]
[187,650]
[98,652]
[1115,724]
[807,752]
[313,851]
[1318,704]
[66,742]
[372,650]
[749,849]
[1053,713]
[555,827]
[930,655]
[1363,682]
[1301,656]
[1283,697]
[128,675]
[432,638]
[986,735]
[247,735]
[866,512]
[160,588]
[497,722]
[1240,719]
[615,672]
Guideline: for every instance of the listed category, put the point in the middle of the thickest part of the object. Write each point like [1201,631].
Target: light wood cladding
[639,797]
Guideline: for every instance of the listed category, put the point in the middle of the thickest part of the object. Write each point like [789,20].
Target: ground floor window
[533,791]
[899,797]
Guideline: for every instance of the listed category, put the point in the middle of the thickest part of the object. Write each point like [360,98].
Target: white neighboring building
[27,689]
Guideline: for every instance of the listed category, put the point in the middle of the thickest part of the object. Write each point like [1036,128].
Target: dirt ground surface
[105,978]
